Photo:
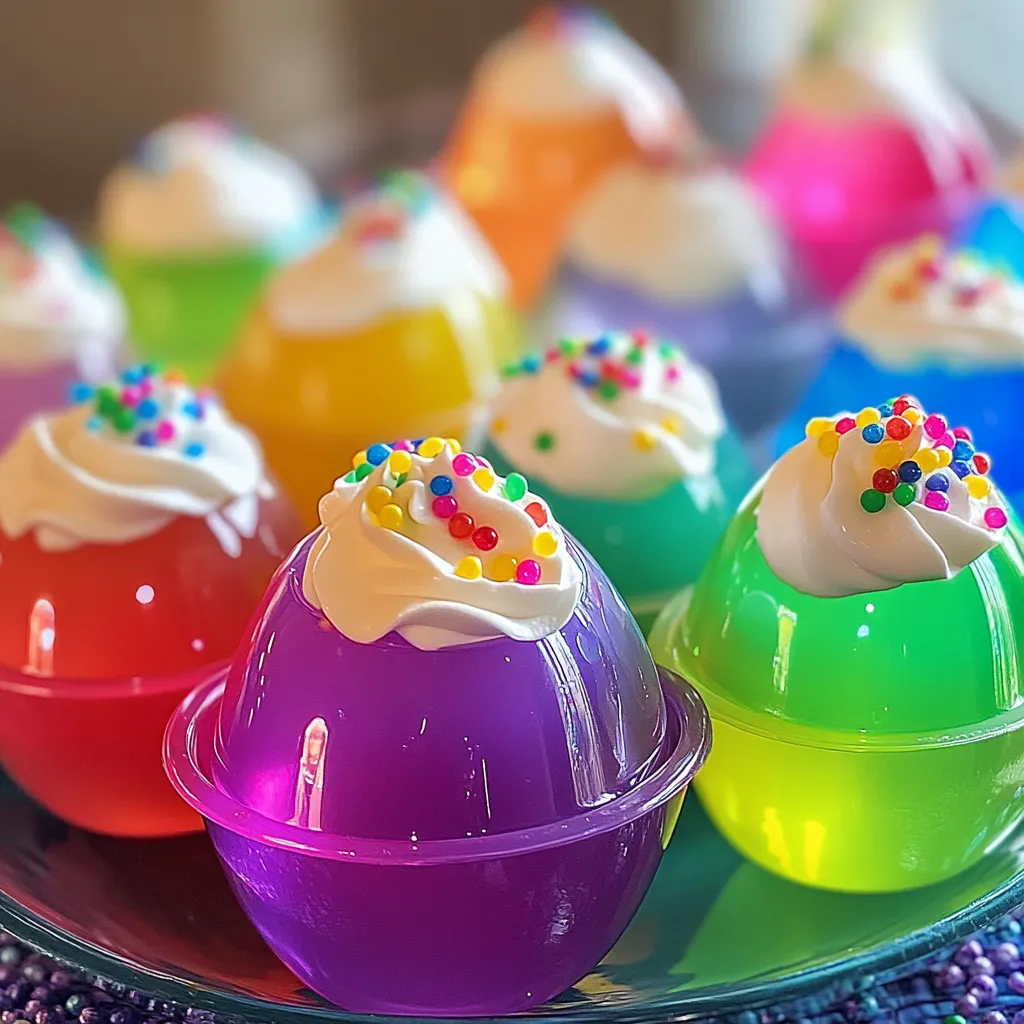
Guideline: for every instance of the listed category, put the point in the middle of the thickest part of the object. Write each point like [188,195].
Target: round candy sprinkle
[485,538]
[828,443]
[469,568]
[165,430]
[363,470]
[884,480]
[867,416]
[910,472]
[818,426]
[978,486]
[962,434]
[982,463]
[898,428]
[961,469]
[599,346]
[147,409]
[391,517]
[937,482]
[441,484]
[845,425]
[888,453]
[544,441]
[193,410]
[672,425]
[963,451]
[528,572]
[399,462]
[461,525]
[503,569]
[124,420]
[904,494]
[537,512]
[358,459]
[645,440]
[885,410]
[80,392]
[545,544]
[147,439]
[194,449]
[995,518]
[444,506]
[873,433]
[946,441]
[453,444]
[872,500]
[484,478]
[515,486]
[431,447]
[912,415]
[403,446]
[936,500]
[608,389]
[934,426]
[378,498]
[463,465]
[944,455]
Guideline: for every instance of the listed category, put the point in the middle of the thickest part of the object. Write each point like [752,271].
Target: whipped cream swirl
[431,544]
[919,303]
[617,417]
[675,234]
[872,501]
[402,246]
[125,462]
[199,186]
[53,306]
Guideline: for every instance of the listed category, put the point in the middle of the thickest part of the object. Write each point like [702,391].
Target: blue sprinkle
[599,346]
[193,409]
[80,392]
[93,423]
[910,472]
[441,485]
[961,469]
[146,438]
[417,442]
[963,450]
[885,410]
[873,433]
[588,378]
[132,375]
[531,364]
[147,409]
[937,482]
[377,453]
[194,449]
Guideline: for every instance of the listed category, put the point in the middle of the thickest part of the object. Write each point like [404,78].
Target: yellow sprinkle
[453,444]
[483,478]
[503,569]
[498,426]
[399,462]
[391,517]
[978,486]
[672,425]
[928,460]
[645,440]
[545,544]
[912,415]
[818,426]
[945,456]
[358,459]
[888,454]
[867,416]
[431,446]
[378,498]
[469,568]
[828,444]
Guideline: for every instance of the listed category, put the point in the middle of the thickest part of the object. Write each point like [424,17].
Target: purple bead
[993,1017]
[969,951]
[983,988]
[1016,982]
[967,1005]
[1006,954]
[950,975]
[980,965]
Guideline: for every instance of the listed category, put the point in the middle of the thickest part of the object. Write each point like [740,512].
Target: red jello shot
[137,533]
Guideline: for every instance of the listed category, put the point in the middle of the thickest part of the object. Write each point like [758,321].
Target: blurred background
[346,83]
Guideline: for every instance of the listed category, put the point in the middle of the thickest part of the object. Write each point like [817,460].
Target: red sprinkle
[485,538]
[962,432]
[461,525]
[641,338]
[901,405]
[885,480]
[845,425]
[445,506]
[898,428]
[539,514]
[982,463]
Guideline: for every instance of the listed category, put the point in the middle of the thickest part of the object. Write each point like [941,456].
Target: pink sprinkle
[464,464]
[934,426]
[936,500]
[640,338]
[528,571]
[445,506]
[995,518]
[630,379]
[552,355]
[575,370]
[946,441]
[483,462]
[131,395]
[962,432]
[402,446]
[845,425]
[672,372]
[164,430]
[145,387]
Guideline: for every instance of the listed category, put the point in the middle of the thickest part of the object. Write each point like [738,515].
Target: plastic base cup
[989,401]
[763,350]
[864,743]
[652,548]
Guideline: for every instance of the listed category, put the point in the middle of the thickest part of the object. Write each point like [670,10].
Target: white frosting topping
[108,472]
[53,306]
[675,235]
[198,186]
[398,553]
[610,419]
[412,249]
[827,529]
[567,65]
[917,303]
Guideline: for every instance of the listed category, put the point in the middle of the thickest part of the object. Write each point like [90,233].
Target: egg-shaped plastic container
[862,743]
[397,822]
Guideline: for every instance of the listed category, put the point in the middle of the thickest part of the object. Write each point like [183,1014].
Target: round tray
[716,935]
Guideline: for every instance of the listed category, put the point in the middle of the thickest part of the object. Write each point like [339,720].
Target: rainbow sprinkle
[924,476]
[965,279]
[485,557]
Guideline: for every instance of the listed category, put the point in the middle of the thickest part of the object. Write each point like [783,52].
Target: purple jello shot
[452,830]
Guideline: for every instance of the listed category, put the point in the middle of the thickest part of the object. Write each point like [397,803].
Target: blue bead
[441,485]
[147,409]
[80,392]
[531,363]
[194,449]
[132,375]
[937,482]
[193,409]
[873,433]
[961,469]
[963,450]
[885,410]
[146,438]
[599,346]
[910,472]
[377,453]
[589,378]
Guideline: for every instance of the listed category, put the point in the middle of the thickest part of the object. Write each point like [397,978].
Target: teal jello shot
[625,439]
[856,636]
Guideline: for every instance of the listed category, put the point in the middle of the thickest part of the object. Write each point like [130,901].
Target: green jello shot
[870,742]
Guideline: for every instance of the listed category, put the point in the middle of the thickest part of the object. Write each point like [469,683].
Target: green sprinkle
[515,486]
[608,389]
[544,441]
[26,222]
[872,500]
[667,351]
[107,401]
[511,370]
[400,479]
[350,477]
[904,494]
[635,356]
[124,420]
[570,346]
[364,471]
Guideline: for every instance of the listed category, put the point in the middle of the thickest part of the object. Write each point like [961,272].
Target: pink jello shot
[442,769]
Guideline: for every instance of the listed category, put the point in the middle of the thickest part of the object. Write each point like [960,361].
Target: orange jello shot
[394,328]
[137,532]
[550,108]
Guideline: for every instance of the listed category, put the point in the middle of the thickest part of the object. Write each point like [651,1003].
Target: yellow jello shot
[394,328]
